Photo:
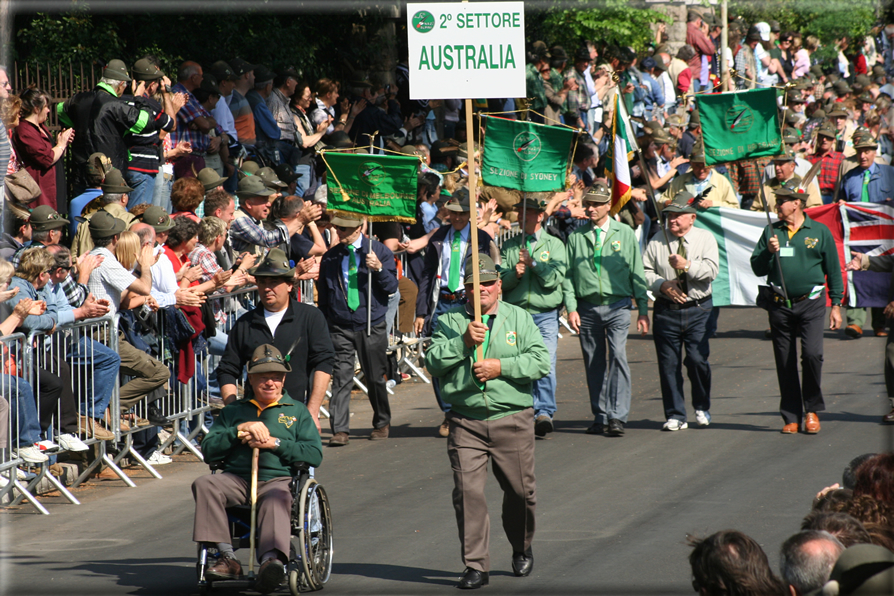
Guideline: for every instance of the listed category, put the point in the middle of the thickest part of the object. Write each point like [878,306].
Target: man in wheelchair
[284,432]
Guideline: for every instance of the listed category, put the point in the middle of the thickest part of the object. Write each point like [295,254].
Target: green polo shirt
[540,288]
[813,260]
[620,272]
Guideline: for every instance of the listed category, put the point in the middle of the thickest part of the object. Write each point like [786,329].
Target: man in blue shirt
[869,182]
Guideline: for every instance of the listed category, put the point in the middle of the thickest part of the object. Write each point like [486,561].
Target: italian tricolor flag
[619,153]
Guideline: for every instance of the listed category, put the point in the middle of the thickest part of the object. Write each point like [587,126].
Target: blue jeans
[544,390]
[162,195]
[601,327]
[827,199]
[102,378]
[672,330]
[23,411]
[143,185]
[305,181]
[442,307]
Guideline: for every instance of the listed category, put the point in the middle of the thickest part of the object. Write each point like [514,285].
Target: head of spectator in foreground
[10,111]
[190,75]
[6,273]
[182,238]
[147,70]
[35,105]
[46,225]
[729,562]
[128,249]
[275,277]
[212,233]
[806,560]
[35,267]
[115,76]
[285,209]
[875,477]
[846,528]
[833,500]
[267,372]
[862,570]
[105,229]
[254,197]
[17,222]
[220,203]
[146,234]
[159,220]
[849,475]
[210,180]
[114,188]
[187,194]
[62,266]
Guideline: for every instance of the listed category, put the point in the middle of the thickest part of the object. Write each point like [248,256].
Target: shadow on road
[416,575]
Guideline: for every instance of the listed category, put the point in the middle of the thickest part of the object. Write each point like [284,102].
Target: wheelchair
[310,559]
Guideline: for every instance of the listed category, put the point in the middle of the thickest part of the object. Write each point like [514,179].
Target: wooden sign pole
[473,219]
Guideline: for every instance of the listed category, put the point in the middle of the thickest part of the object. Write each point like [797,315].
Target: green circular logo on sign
[372,173]
[526,145]
[739,119]
[423,21]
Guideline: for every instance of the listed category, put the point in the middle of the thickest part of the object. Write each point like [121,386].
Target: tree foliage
[614,22]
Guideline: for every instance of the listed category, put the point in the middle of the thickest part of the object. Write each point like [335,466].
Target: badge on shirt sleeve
[287,420]
[511,338]
[544,256]
[811,242]
[616,245]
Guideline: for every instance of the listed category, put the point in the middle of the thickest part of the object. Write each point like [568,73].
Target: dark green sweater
[813,263]
[288,421]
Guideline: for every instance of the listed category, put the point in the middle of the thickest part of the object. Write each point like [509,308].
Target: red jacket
[34,148]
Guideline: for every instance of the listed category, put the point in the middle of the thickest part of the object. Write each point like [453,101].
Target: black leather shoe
[523,563]
[472,579]
[615,428]
[597,428]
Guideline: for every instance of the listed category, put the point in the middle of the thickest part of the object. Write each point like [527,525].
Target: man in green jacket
[284,432]
[533,271]
[605,270]
[490,418]
[809,261]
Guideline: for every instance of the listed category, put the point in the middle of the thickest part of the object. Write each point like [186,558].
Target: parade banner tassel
[525,156]
[742,125]
[620,152]
[379,187]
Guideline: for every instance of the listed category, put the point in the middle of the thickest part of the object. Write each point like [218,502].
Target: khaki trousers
[215,492]
[148,373]
[509,443]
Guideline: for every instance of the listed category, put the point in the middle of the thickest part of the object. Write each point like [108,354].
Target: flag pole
[473,220]
[369,273]
[724,42]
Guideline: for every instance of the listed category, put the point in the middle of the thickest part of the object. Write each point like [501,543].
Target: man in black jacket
[101,120]
[297,330]
[346,272]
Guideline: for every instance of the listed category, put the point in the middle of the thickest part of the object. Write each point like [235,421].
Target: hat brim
[483,276]
[528,205]
[598,199]
[250,194]
[116,189]
[163,228]
[457,208]
[270,367]
[866,146]
[261,271]
[678,209]
[345,222]
[50,225]
[214,184]
[119,227]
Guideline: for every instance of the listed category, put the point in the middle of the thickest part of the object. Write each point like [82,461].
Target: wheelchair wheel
[315,534]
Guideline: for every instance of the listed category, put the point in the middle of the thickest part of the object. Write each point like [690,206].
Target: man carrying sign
[533,270]
[490,418]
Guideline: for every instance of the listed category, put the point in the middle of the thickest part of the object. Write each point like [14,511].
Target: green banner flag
[525,156]
[742,125]
[380,187]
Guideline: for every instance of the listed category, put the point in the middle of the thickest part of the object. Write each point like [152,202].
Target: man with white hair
[806,560]
[101,119]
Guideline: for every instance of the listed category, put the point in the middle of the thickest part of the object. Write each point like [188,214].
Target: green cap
[266,358]
[252,186]
[598,193]
[682,203]
[487,270]
[158,218]
[275,264]
[103,224]
[44,218]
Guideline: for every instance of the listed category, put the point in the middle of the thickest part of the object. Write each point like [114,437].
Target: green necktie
[453,277]
[681,273]
[864,195]
[597,253]
[530,242]
[484,344]
[353,289]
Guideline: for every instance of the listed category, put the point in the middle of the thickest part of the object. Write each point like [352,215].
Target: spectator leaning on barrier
[112,282]
[534,267]
[346,273]
[101,121]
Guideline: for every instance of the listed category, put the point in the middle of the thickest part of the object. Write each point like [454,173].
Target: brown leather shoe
[811,425]
[444,429]
[380,434]
[889,417]
[89,428]
[881,332]
[790,429]
[854,331]
[339,440]
[225,568]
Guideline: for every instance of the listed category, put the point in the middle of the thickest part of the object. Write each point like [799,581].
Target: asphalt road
[612,514]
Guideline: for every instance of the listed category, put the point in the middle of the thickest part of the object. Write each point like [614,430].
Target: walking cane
[254,511]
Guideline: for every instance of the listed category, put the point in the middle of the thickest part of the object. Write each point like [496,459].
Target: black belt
[676,306]
[455,296]
[780,299]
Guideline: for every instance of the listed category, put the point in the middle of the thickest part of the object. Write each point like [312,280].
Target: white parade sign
[466,50]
